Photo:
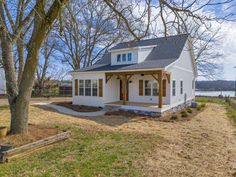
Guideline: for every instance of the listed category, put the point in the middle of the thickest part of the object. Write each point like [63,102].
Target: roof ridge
[153,38]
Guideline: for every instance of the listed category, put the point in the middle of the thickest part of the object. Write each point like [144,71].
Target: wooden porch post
[160,75]
[124,89]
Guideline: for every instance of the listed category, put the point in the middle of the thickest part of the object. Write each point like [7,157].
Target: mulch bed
[78,108]
[35,133]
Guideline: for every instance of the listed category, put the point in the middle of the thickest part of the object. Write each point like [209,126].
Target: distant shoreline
[214,93]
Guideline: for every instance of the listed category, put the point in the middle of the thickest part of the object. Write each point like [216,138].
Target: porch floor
[136,104]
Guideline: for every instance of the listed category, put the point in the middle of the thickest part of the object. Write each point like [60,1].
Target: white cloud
[228,32]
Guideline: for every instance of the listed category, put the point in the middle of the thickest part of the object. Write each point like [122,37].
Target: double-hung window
[154,88]
[81,87]
[148,88]
[87,87]
[173,87]
[129,56]
[181,87]
[151,88]
[94,88]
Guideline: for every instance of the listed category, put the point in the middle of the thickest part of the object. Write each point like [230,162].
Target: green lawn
[231,112]
[87,153]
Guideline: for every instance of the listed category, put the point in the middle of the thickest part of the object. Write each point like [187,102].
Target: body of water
[215,93]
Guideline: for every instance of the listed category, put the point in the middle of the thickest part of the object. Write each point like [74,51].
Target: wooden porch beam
[129,77]
[160,75]
[124,84]
[108,77]
[156,78]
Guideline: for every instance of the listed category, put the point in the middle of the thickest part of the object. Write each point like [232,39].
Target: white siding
[2,82]
[143,53]
[110,90]
[182,70]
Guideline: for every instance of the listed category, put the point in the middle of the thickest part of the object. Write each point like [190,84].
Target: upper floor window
[129,56]
[124,57]
[118,58]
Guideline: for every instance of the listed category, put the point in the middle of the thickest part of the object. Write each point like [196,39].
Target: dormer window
[118,58]
[129,56]
[124,57]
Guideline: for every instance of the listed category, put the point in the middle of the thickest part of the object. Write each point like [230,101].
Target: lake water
[215,93]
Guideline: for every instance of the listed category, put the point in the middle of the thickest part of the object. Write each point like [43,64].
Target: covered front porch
[133,93]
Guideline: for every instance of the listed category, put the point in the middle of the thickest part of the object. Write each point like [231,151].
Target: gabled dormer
[130,55]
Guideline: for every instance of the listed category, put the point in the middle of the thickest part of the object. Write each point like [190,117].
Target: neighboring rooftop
[167,50]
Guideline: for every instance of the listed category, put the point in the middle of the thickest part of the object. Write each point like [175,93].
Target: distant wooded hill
[219,85]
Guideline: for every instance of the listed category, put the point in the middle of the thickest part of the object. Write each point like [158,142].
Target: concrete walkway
[67,111]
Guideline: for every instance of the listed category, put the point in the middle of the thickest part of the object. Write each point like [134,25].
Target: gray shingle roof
[167,50]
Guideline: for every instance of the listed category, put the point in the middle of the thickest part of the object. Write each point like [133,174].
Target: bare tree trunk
[19,116]
[20,50]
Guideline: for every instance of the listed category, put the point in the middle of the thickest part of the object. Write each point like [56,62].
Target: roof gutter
[131,48]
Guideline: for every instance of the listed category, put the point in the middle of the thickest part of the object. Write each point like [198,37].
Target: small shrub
[184,114]
[203,105]
[199,108]
[189,110]
[174,117]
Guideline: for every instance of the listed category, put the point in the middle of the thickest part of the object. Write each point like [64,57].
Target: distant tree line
[218,85]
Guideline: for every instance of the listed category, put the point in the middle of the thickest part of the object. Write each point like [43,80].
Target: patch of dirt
[78,108]
[35,133]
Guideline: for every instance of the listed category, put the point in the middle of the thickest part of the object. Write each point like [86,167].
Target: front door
[121,91]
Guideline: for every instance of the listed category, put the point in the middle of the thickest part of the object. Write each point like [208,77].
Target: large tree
[11,28]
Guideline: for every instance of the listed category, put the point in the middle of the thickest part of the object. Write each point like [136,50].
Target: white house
[153,75]
[2,82]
